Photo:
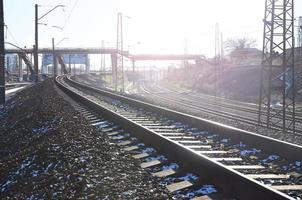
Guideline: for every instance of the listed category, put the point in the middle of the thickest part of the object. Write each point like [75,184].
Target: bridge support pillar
[114,70]
[87,66]
[55,65]
[133,72]
[20,65]
[133,66]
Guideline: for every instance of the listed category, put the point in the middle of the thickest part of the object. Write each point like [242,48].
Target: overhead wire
[12,36]
[68,17]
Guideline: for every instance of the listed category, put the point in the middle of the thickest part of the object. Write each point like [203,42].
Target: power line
[12,36]
[68,17]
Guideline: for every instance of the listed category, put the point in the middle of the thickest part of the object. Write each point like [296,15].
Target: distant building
[11,62]
[246,56]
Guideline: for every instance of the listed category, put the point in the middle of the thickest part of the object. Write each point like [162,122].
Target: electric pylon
[277,90]
[119,74]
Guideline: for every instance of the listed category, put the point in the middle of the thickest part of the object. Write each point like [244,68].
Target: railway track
[15,85]
[12,89]
[219,101]
[229,109]
[194,157]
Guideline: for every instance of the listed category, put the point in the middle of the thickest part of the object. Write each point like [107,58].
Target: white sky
[155,26]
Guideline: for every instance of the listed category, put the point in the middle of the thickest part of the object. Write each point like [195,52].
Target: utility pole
[221,66]
[185,62]
[103,58]
[2,55]
[217,61]
[300,32]
[36,48]
[133,72]
[36,60]
[278,64]
[300,39]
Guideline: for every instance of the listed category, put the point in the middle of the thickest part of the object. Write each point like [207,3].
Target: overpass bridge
[67,50]
[166,57]
[95,50]
[58,52]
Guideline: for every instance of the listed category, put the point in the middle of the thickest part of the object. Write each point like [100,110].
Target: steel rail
[223,102]
[245,117]
[241,186]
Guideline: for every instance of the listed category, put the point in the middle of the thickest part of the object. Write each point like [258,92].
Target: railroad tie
[160,127]
[163,130]
[195,142]
[141,120]
[226,159]
[195,147]
[138,118]
[94,117]
[172,134]
[113,133]
[164,173]
[131,148]
[98,123]
[181,137]
[109,129]
[150,164]
[141,155]
[93,121]
[87,112]
[127,115]
[151,124]
[124,143]
[211,152]
[268,176]
[89,115]
[246,166]
[178,186]
[117,137]
[287,187]
[84,110]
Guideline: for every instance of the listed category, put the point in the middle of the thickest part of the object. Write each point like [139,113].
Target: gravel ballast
[49,151]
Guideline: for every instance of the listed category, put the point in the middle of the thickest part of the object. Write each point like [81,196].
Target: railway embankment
[48,150]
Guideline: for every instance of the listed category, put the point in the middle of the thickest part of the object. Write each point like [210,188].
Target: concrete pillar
[20,64]
[87,65]
[114,70]
[55,65]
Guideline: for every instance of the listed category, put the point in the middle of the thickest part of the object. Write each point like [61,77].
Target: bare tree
[240,43]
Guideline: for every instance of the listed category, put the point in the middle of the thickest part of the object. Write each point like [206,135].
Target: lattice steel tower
[278,72]
[119,72]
